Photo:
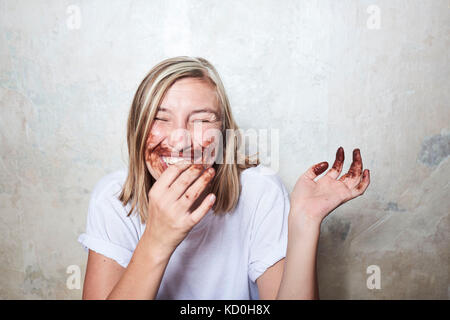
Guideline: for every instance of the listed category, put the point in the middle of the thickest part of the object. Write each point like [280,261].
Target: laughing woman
[190,219]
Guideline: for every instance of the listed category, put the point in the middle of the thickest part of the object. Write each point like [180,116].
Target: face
[187,126]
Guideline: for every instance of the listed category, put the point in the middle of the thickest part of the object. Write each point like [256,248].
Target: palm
[318,198]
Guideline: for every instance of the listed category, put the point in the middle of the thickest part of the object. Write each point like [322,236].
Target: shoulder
[106,212]
[110,185]
[109,230]
[262,187]
[267,205]
[262,178]
[104,202]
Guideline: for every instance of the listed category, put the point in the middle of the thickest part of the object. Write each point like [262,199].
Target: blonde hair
[226,183]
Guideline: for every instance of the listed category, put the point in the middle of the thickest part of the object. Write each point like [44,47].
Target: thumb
[316,170]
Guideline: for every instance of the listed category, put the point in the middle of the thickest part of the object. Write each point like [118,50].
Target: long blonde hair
[226,183]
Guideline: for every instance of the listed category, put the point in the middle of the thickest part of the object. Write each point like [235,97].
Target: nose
[180,139]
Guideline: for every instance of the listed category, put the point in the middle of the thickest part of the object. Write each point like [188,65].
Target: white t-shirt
[221,257]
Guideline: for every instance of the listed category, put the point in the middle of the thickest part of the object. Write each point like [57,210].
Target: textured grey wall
[368,74]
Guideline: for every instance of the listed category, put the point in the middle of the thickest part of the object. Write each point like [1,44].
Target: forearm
[299,281]
[143,275]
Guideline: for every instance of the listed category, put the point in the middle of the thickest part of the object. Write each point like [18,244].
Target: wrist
[158,251]
[300,219]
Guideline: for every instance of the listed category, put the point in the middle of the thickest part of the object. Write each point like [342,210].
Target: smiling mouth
[173,160]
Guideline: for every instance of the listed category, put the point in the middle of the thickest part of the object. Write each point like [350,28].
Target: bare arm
[311,202]
[143,275]
[299,279]
[102,274]
[295,276]
[269,282]
[106,279]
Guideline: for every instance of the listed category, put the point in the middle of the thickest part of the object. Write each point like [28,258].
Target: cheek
[210,144]
[155,137]
[209,134]
[157,134]
[201,140]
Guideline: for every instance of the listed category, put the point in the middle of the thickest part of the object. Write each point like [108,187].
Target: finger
[353,177]
[196,189]
[184,180]
[202,209]
[356,166]
[316,170]
[362,186]
[335,171]
[172,172]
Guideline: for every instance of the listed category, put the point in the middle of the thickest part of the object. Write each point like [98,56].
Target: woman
[194,219]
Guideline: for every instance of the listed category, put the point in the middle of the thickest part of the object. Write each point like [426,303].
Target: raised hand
[315,199]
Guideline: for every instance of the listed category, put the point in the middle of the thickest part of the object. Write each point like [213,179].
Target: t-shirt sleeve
[268,241]
[108,230]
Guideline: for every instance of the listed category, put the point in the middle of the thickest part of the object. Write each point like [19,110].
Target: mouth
[172,160]
[165,158]
[168,161]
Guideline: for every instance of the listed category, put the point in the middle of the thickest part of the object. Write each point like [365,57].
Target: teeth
[172,160]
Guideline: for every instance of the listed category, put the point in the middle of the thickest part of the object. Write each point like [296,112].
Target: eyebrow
[207,110]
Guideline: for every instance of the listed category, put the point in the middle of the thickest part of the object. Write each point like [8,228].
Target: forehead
[189,93]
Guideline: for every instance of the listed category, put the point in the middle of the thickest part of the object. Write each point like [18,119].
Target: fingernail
[212,198]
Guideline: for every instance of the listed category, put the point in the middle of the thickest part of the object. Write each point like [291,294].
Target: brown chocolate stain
[320,168]
[355,169]
[152,157]
[356,166]
[205,189]
[365,179]
[339,162]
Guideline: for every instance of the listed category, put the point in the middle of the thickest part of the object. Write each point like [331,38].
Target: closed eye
[200,120]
